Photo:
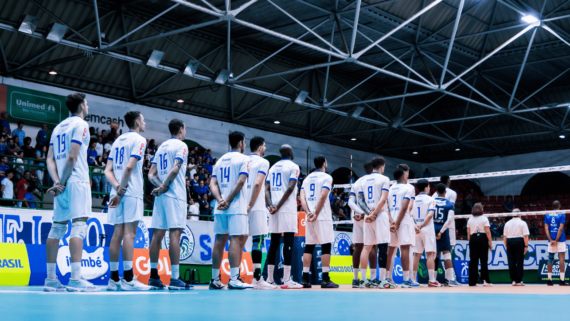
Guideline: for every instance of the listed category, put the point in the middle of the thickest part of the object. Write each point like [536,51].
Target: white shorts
[258,222]
[232,224]
[283,223]
[357,231]
[560,247]
[74,202]
[425,241]
[377,232]
[168,213]
[452,237]
[130,210]
[405,235]
[319,232]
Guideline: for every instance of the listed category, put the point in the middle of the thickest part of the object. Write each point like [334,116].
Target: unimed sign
[35,106]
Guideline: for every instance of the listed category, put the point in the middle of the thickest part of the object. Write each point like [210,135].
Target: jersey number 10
[276,179]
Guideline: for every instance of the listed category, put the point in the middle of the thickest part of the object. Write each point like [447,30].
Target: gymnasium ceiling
[377,87]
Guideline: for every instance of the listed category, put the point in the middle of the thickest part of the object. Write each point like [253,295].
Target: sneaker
[367,284]
[549,283]
[81,285]
[53,285]
[409,284]
[487,284]
[519,284]
[114,286]
[216,284]
[156,284]
[514,283]
[329,285]
[563,283]
[386,285]
[290,284]
[434,284]
[178,284]
[306,284]
[446,283]
[391,282]
[376,282]
[262,285]
[272,282]
[134,285]
[239,285]
[453,283]
[355,284]
[415,284]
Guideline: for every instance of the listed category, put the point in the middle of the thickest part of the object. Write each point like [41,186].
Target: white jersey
[372,187]
[357,187]
[279,176]
[398,193]
[257,165]
[423,204]
[72,130]
[164,158]
[130,144]
[451,196]
[316,183]
[227,171]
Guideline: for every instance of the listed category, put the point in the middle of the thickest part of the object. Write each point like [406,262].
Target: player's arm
[288,192]
[268,197]
[322,199]
[447,224]
[560,231]
[257,187]
[153,176]
[381,205]
[214,188]
[403,211]
[239,185]
[60,181]
[362,203]
[304,204]
[166,184]
[355,208]
[431,211]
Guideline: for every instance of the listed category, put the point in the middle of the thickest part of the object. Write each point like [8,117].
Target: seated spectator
[19,160]
[194,209]
[22,187]
[5,124]
[214,161]
[146,165]
[495,231]
[427,173]
[29,151]
[509,204]
[201,188]
[335,207]
[192,168]
[2,144]
[104,136]
[3,166]
[204,206]
[202,174]
[29,197]
[208,166]
[195,182]
[99,146]
[19,133]
[12,148]
[107,146]
[41,137]
[92,133]
[192,154]
[41,156]
[7,189]
[533,229]
[341,214]
[152,147]
[91,152]
[208,155]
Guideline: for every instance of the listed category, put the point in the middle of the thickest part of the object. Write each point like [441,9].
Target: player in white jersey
[256,210]
[372,196]
[124,173]
[318,224]
[67,166]
[280,196]
[358,232]
[422,212]
[403,229]
[451,196]
[229,188]
[168,174]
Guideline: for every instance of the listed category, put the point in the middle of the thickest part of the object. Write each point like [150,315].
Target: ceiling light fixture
[353,139]
[415,153]
[457,149]
[529,19]
[277,122]
[180,101]
[562,136]
[53,72]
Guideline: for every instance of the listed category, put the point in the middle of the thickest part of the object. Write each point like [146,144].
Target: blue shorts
[443,243]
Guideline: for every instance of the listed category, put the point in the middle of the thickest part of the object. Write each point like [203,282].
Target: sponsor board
[141,265]
[300,224]
[245,268]
[342,242]
[461,271]
[14,265]
[35,107]
[340,270]
[543,271]
[93,264]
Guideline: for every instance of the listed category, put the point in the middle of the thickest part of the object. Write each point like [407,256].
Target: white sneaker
[81,285]
[262,285]
[290,284]
[514,283]
[487,284]
[239,285]
[114,286]
[134,285]
[53,285]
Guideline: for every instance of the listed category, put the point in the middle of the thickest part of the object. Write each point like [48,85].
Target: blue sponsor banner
[462,271]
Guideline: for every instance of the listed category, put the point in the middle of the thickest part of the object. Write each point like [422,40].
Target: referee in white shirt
[515,236]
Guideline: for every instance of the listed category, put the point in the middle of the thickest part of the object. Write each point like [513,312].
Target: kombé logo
[187,243]
[93,265]
[342,244]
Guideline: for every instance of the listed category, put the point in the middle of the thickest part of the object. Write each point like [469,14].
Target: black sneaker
[564,283]
[328,284]
[446,283]
[216,284]
[355,284]
[549,283]
[306,284]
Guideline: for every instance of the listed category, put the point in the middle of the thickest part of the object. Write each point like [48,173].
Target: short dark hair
[27,139]
[422,184]
[398,174]
[444,179]
[131,118]
[20,123]
[377,162]
[440,188]
[477,209]
[73,101]
[31,188]
[256,142]
[174,126]
[235,138]
[319,161]
[196,175]
[403,167]
[555,205]
[367,165]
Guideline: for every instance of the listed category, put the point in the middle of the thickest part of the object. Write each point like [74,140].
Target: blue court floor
[30,303]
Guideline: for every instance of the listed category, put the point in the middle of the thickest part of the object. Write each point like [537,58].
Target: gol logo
[141,266]
[245,268]
[301,224]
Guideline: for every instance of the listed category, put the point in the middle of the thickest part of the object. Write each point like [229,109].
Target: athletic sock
[306,269]
[115,271]
[76,270]
[414,275]
[257,274]
[215,274]
[326,276]
[127,270]
[550,275]
[234,273]
[270,269]
[449,274]
[51,271]
[175,268]
[363,274]
[389,273]
[372,274]
[406,275]
[431,274]
[306,277]
[154,270]
[355,271]
[286,273]
[562,276]
[382,274]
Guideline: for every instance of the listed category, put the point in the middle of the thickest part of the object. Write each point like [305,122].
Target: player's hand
[311,217]
[525,249]
[272,210]
[120,189]
[115,201]
[418,229]
[438,236]
[224,205]
[553,244]
[248,208]
[159,190]
[371,218]
[56,190]
[357,217]
[491,247]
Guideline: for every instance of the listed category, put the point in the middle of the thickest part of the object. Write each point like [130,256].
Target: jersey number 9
[312,187]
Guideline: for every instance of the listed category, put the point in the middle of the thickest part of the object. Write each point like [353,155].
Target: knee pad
[78,229]
[382,255]
[550,258]
[256,243]
[57,231]
[326,248]
[447,256]
[309,248]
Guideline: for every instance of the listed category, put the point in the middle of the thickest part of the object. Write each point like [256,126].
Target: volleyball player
[424,209]
[403,229]
[126,207]
[554,228]
[451,196]
[229,188]
[257,211]
[358,233]
[168,174]
[442,219]
[372,195]
[318,225]
[280,193]
[67,166]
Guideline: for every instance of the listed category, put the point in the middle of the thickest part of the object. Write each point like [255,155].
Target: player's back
[423,204]
[372,187]
[279,176]
[316,183]
[165,158]
[227,171]
[554,221]
[128,145]
[442,208]
[450,195]
[396,196]
[257,164]
[71,130]
[357,186]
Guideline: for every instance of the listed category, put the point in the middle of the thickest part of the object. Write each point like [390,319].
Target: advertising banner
[462,271]
[14,265]
[543,271]
[35,107]
[341,271]
[141,265]
[245,268]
